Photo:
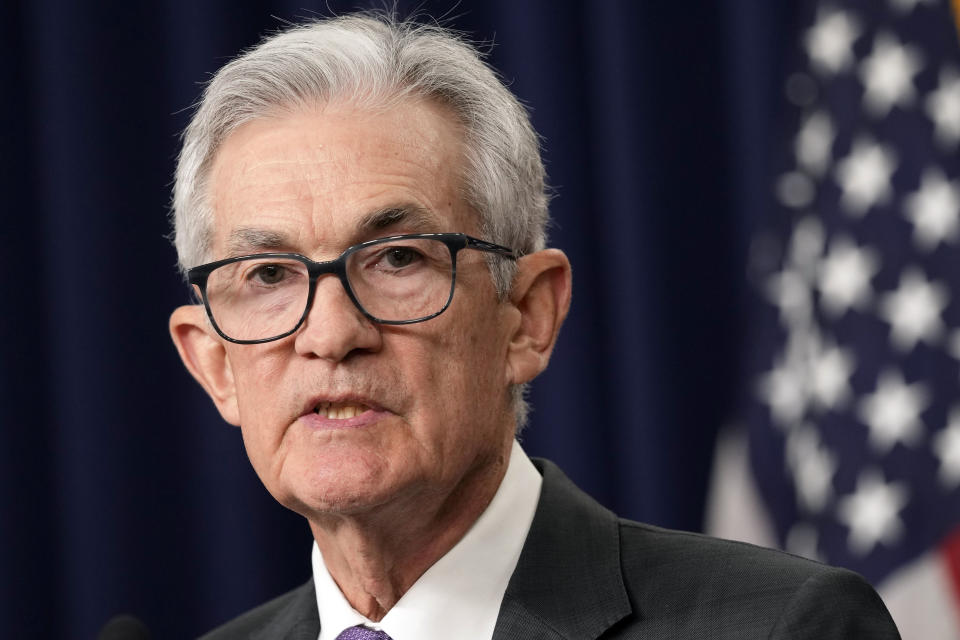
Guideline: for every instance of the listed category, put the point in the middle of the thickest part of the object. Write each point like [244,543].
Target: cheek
[261,398]
[467,372]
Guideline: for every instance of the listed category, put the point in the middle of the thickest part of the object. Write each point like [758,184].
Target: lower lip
[322,423]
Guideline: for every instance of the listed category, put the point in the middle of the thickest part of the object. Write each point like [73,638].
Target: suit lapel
[568,583]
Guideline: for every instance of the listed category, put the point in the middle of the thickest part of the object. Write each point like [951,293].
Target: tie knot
[361,632]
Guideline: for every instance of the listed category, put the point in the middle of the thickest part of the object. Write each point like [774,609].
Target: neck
[375,557]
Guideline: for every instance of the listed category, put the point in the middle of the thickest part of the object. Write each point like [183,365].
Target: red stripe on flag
[950,550]
[956,12]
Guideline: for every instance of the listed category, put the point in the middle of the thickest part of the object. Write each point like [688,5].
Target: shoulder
[660,583]
[657,551]
[274,619]
[733,589]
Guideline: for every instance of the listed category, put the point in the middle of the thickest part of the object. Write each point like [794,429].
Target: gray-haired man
[360,206]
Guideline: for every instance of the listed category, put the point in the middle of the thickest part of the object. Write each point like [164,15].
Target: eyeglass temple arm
[483,245]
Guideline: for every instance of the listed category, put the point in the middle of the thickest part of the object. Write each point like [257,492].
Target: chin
[332,491]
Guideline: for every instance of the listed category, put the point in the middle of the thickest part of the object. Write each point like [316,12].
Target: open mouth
[339,411]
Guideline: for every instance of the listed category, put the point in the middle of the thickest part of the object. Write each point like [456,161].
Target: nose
[335,327]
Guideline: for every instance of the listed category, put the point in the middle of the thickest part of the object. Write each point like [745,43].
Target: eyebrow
[414,218]
[252,240]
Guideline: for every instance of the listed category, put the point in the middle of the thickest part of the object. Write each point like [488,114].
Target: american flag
[854,424]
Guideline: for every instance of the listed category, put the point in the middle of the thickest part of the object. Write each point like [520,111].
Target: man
[360,207]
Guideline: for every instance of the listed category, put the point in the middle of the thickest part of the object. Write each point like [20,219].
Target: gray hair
[373,60]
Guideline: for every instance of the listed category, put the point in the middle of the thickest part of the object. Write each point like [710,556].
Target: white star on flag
[914,309]
[806,244]
[864,176]
[830,41]
[813,466]
[794,189]
[784,391]
[946,445]
[844,276]
[892,412]
[872,512]
[814,141]
[789,291]
[831,368]
[943,107]
[887,74]
[934,209]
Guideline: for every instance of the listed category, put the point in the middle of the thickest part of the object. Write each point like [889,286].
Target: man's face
[422,407]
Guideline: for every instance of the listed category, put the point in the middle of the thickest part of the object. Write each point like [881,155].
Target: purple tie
[361,632]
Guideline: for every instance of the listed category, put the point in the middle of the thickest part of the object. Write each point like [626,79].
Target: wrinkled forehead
[305,179]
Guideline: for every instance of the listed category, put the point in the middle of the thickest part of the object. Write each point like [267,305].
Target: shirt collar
[463,590]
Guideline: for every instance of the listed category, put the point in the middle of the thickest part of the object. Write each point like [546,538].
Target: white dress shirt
[460,595]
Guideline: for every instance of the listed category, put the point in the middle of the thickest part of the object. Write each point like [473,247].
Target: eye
[268,273]
[399,257]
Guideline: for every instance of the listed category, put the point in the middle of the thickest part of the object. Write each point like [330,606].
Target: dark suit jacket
[585,574]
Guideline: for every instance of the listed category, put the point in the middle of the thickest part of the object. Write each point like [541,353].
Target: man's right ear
[206,359]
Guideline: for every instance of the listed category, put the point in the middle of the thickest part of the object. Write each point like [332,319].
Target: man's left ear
[541,293]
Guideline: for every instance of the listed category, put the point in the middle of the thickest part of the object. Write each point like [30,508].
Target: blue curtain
[121,490]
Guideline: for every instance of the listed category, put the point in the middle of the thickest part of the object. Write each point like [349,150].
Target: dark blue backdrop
[120,487]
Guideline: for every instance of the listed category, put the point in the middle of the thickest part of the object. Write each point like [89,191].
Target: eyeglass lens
[396,281]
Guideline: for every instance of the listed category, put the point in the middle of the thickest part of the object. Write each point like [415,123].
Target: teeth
[339,411]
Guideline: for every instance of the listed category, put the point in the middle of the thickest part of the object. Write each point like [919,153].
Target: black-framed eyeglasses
[395,280]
